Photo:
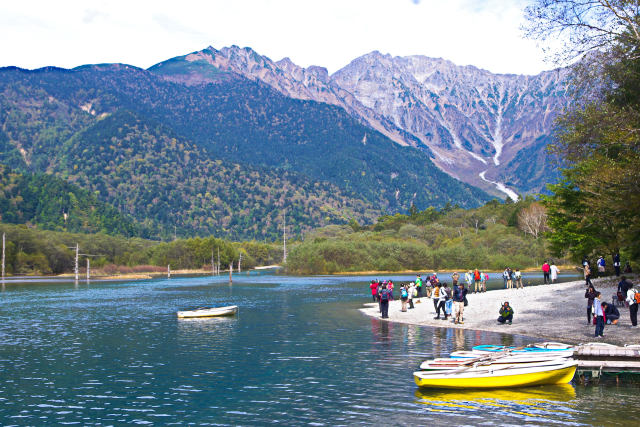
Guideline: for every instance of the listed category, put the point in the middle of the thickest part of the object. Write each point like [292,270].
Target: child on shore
[599,314]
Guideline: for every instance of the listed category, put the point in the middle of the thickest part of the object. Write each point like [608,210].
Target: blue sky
[329,33]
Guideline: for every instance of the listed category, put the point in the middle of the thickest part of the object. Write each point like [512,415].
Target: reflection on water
[297,353]
[531,404]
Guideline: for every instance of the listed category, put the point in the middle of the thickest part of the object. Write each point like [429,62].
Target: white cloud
[484,33]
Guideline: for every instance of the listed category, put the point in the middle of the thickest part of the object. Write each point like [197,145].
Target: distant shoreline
[550,312]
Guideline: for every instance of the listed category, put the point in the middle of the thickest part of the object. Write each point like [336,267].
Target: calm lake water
[297,353]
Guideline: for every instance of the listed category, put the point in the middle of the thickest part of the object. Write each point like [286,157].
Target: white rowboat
[209,312]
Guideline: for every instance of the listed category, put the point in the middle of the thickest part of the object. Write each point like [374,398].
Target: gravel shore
[556,312]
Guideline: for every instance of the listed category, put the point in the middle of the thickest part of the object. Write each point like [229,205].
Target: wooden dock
[595,360]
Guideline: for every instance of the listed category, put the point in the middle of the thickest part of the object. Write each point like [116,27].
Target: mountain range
[226,141]
[473,123]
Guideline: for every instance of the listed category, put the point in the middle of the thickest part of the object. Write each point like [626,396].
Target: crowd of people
[601,313]
[449,301]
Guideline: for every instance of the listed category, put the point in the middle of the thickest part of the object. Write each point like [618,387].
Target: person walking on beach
[633,298]
[506,313]
[623,287]
[587,271]
[599,314]
[554,272]
[459,294]
[517,277]
[442,300]
[590,294]
[384,302]
[546,270]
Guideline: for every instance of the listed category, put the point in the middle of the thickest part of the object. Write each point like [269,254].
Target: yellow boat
[498,377]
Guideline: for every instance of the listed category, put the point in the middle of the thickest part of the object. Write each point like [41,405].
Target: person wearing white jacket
[633,307]
[599,315]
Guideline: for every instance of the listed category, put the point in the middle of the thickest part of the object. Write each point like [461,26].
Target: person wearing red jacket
[374,290]
[546,270]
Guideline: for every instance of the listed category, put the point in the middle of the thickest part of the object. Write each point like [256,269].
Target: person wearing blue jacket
[459,294]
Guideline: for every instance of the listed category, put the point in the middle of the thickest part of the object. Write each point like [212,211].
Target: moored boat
[505,361]
[209,312]
[489,349]
[498,377]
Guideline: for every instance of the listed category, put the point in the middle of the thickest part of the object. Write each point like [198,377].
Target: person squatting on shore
[590,294]
[599,314]
[506,313]
[459,294]
[611,313]
[633,298]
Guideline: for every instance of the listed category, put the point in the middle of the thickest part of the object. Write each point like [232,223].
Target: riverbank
[556,312]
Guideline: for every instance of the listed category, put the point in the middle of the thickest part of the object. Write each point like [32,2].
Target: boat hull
[209,312]
[497,378]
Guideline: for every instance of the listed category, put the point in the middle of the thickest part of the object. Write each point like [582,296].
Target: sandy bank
[555,312]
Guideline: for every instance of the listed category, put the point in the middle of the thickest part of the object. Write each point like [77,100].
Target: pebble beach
[556,312]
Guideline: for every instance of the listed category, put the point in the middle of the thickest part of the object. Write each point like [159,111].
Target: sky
[328,33]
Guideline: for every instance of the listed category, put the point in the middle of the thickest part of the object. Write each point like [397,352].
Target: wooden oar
[487,358]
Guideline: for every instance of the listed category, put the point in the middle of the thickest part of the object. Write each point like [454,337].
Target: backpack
[403,293]
[636,297]
[476,275]
[384,296]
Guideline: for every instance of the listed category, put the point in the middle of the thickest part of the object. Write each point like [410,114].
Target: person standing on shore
[404,296]
[554,272]
[485,277]
[436,297]
[419,286]
[597,311]
[390,288]
[411,291]
[590,294]
[454,278]
[633,298]
[616,263]
[518,279]
[477,278]
[459,294]
[509,278]
[442,299]
[601,266]
[623,287]
[384,302]
[546,270]
[374,290]
[587,275]
[468,277]
[505,276]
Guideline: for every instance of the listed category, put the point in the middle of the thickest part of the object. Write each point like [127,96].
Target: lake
[297,353]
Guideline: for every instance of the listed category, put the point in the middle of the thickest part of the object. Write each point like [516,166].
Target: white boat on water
[504,361]
[209,312]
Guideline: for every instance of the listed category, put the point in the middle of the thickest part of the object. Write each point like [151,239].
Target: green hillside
[54,204]
[51,122]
